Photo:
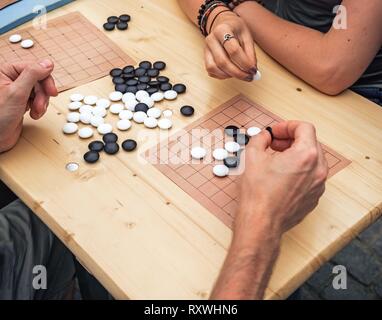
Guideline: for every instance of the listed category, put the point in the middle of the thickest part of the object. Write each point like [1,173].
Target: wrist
[217,15]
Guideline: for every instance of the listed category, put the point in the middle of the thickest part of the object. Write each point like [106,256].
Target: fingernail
[46,63]
[249,78]
[254,70]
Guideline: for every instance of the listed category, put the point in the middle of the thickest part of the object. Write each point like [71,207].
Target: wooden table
[137,232]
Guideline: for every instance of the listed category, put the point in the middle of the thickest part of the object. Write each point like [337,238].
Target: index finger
[300,133]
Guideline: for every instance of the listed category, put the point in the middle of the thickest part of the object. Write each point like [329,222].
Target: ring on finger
[227,37]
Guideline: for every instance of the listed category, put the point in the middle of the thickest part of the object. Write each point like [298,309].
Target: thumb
[260,142]
[31,74]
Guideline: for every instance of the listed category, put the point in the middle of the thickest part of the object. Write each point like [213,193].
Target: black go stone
[96,146]
[231,162]
[144,79]
[111,148]
[124,18]
[142,86]
[154,84]
[187,111]
[116,72]
[179,88]
[91,156]
[241,139]
[132,82]
[153,73]
[109,26]
[163,79]
[159,65]
[128,69]
[118,80]
[166,86]
[110,138]
[132,89]
[113,20]
[145,65]
[139,72]
[122,26]
[141,107]
[231,130]
[152,90]
[128,76]
[121,88]
[129,145]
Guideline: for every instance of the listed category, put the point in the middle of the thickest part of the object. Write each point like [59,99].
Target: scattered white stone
[220,154]
[85,133]
[130,105]
[257,76]
[232,146]
[27,43]
[148,101]
[86,109]
[105,128]
[75,105]
[15,38]
[96,121]
[165,123]
[151,123]
[115,96]
[253,131]
[116,108]
[124,124]
[170,95]
[167,113]
[99,111]
[154,113]
[73,117]
[70,128]
[220,170]
[126,115]
[104,103]
[128,96]
[90,100]
[198,153]
[157,96]
[76,97]
[139,117]
[86,117]
[141,94]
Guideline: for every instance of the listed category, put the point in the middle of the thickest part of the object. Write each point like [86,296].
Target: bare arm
[330,62]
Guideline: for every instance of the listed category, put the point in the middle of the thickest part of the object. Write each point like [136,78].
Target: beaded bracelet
[205,11]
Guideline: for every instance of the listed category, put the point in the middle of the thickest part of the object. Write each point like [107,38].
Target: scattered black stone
[231,130]
[141,107]
[122,26]
[109,26]
[128,76]
[91,156]
[110,137]
[121,88]
[116,72]
[118,80]
[241,139]
[179,88]
[145,65]
[139,72]
[120,22]
[154,84]
[142,86]
[187,111]
[132,82]
[128,69]
[152,90]
[96,146]
[144,79]
[129,145]
[166,86]
[124,18]
[163,79]
[231,162]
[159,65]
[111,148]
[113,20]
[153,73]
[132,89]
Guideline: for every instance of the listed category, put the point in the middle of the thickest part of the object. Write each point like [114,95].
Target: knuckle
[222,63]
[309,157]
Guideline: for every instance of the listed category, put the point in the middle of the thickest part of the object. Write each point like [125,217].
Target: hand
[278,190]
[236,58]
[23,87]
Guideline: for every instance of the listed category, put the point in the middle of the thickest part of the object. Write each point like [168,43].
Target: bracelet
[213,21]
[234,3]
[205,11]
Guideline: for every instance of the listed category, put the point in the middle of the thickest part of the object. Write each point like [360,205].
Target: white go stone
[73,117]
[130,105]
[151,122]
[70,128]
[86,109]
[165,123]
[253,131]
[126,115]
[220,154]
[104,103]
[157,96]
[85,133]
[257,76]
[198,153]
[148,101]
[99,111]
[128,96]
[170,95]
[141,94]
[167,113]
[90,100]
[232,146]
[75,105]
[86,117]
[139,117]
[116,108]
[220,170]
[105,128]
[96,121]
[154,113]
[76,97]
[115,96]
[15,38]
[26,44]
[124,124]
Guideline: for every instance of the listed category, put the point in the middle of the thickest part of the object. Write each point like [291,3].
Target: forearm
[191,8]
[248,266]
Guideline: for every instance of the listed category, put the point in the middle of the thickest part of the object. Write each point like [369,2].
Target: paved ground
[363,261]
